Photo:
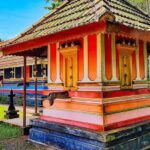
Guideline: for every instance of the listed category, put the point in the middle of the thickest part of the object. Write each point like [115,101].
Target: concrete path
[19,121]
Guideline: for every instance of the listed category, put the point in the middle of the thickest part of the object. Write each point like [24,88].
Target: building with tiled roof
[70,15]
[98,74]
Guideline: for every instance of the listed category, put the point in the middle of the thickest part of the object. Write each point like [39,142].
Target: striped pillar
[113,45]
[58,80]
[49,69]
[85,43]
[137,62]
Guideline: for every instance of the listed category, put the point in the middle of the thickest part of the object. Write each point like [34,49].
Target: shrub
[5,100]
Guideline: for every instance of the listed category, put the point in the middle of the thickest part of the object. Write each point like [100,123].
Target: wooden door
[70,67]
[69,72]
[125,70]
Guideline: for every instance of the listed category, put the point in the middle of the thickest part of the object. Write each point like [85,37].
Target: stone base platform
[135,137]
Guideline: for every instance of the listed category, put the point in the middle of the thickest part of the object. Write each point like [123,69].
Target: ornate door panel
[125,60]
[125,70]
[69,70]
[70,67]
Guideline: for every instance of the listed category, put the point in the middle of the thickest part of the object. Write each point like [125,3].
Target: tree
[54,4]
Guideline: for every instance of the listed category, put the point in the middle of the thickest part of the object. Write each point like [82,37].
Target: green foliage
[53,4]
[8,131]
[4,100]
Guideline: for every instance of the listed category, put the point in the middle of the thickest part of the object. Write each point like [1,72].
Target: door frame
[70,52]
[127,50]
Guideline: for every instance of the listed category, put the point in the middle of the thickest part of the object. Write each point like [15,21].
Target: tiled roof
[17,61]
[74,13]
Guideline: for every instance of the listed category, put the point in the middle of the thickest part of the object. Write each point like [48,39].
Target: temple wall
[87,66]
[111,60]
[98,61]
[99,92]
[123,107]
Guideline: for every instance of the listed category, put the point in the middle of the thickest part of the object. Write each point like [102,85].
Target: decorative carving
[69,44]
[54,95]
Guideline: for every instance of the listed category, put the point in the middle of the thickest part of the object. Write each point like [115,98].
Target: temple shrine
[98,51]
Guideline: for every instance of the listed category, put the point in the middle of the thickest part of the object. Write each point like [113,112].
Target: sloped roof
[17,61]
[75,13]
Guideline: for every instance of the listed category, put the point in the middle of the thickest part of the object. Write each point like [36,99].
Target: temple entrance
[125,63]
[70,67]
[125,66]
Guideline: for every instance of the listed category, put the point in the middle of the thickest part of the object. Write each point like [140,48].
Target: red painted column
[108,56]
[80,61]
[27,73]
[53,61]
[134,70]
[141,59]
[92,56]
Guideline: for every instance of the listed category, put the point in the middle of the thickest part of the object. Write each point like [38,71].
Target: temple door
[126,67]
[70,67]
[70,73]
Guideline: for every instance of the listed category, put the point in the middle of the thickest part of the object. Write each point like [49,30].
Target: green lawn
[8,131]
[2,109]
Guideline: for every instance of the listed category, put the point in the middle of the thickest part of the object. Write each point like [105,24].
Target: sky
[18,15]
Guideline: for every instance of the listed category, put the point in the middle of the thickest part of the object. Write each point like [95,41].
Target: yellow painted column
[85,47]
[137,62]
[103,57]
[114,75]
[99,58]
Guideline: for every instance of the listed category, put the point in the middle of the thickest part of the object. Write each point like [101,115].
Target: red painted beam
[60,36]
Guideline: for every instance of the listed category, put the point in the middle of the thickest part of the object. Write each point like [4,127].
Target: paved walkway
[19,121]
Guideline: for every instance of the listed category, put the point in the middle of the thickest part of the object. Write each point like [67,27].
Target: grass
[4,108]
[8,131]
[11,138]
